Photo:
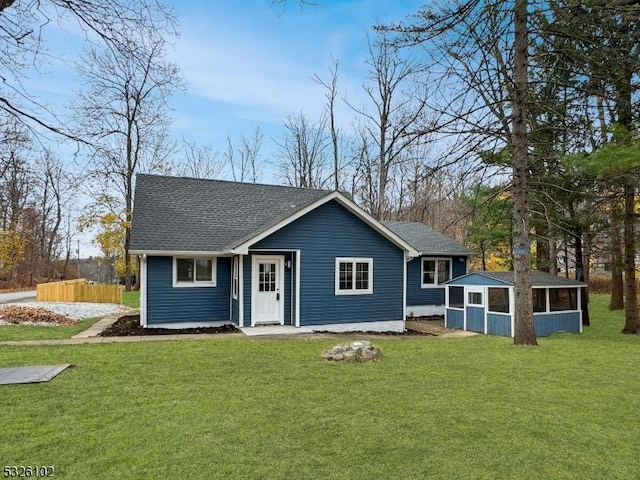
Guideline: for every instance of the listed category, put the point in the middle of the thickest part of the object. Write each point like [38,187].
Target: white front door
[267,289]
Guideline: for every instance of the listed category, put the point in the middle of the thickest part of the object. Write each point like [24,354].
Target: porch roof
[538,279]
[426,240]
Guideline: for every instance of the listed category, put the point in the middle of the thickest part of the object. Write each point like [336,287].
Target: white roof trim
[243,248]
[178,253]
[447,254]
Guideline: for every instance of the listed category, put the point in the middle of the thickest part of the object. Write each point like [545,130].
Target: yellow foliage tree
[12,250]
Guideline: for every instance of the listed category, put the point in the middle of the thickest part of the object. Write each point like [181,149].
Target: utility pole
[78,258]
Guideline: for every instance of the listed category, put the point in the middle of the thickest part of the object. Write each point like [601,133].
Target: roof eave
[180,253]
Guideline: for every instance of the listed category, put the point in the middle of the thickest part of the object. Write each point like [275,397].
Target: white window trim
[435,259]
[195,283]
[235,278]
[447,299]
[353,261]
[481,291]
[508,297]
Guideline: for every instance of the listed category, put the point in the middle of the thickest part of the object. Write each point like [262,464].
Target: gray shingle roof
[538,279]
[426,240]
[192,215]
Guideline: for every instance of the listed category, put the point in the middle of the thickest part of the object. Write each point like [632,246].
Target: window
[354,276]
[562,299]
[499,300]
[236,284]
[194,272]
[539,300]
[474,298]
[435,271]
[267,277]
[456,297]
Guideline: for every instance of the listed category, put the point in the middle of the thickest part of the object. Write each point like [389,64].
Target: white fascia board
[180,253]
[243,249]
[444,254]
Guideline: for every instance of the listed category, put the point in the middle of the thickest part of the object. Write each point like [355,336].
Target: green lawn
[232,407]
[10,333]
[131,299]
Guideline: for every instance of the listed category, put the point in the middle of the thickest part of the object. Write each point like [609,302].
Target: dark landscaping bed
[130,326]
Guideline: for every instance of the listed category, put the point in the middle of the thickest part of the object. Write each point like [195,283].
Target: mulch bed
[130,326]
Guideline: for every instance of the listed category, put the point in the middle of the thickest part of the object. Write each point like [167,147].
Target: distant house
[440,259]
[484,302]
[215,252]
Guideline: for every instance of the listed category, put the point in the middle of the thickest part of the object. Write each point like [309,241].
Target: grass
[131,299]
[27,332]
[10,333]
[232,407]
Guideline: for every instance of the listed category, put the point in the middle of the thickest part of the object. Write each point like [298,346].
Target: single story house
[484,302]
[440,259]
[214,252]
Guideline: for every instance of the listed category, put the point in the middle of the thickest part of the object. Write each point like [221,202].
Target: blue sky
[251,64]
[246,64]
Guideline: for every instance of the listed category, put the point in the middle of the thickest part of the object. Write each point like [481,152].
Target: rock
[359,351]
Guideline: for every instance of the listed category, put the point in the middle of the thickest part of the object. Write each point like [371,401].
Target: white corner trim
[404,287]
[241,290]
[143,291]
[297,286]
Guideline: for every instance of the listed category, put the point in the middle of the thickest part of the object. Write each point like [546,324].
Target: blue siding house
[484,302]
[215,252]
[440,259]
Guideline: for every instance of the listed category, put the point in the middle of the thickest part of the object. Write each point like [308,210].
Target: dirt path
[435,327]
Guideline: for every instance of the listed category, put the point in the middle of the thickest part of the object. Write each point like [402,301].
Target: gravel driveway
[75,310]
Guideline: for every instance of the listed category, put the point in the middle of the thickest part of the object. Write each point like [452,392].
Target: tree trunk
[631,317]
[524,332]
[617,286]
[580,276]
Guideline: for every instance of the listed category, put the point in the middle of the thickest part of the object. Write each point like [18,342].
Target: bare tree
[331,95]
[200,161]
[303,157]
[244,158]
[123,110]
[397,121]
[23,31]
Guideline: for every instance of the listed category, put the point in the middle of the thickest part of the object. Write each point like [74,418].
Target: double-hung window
[435,271]
[354,276]
[194,272]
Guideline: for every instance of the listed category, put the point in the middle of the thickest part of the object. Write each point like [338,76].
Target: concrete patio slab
[33,374]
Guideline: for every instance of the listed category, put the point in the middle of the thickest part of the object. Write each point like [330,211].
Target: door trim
[254,285]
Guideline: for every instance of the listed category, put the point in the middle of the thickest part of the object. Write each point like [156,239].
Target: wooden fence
[78,291]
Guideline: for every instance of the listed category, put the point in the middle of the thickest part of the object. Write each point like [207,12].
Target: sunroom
[484,302]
